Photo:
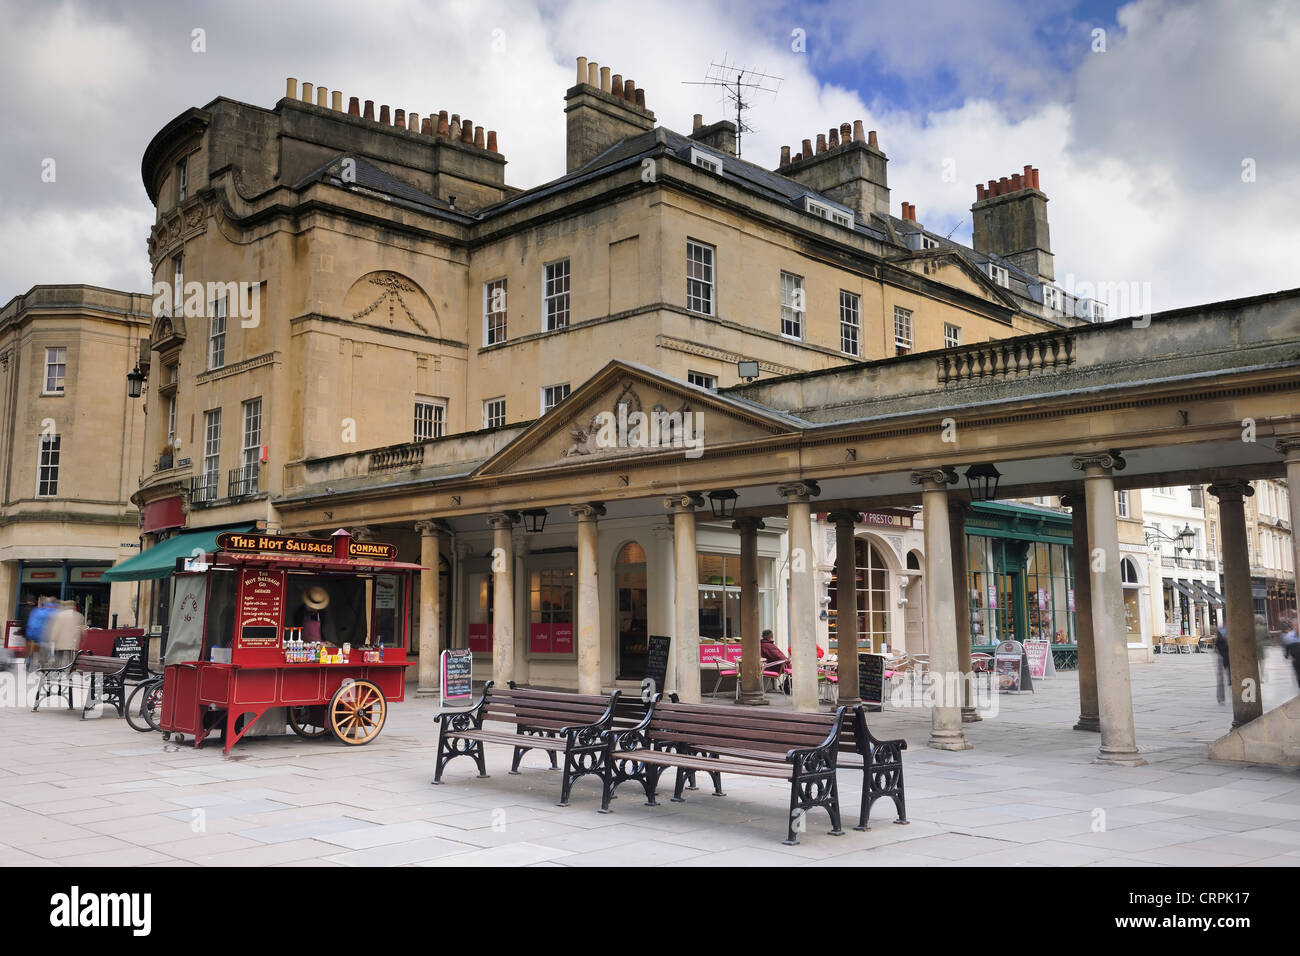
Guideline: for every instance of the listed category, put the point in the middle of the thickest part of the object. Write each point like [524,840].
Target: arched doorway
[631,601]
[914,610]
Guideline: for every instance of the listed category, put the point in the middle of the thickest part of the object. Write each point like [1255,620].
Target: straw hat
[316,598]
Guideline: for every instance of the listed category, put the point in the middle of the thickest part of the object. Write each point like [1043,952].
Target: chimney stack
[1010,220]
[322,97]
[850,169]
[307,93]
[336,101]
[291,88]
[601,112]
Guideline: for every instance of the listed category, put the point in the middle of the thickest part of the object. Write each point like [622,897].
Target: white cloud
[1139,151]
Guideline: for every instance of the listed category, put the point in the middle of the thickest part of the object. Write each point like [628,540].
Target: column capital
[502,520]
[588,511]
[804,488]
[1109,460]
[935,476]
[1288,446]
[748,525]
[1231,490]
[686,501]
[433,526]
[1074,500]
[845,517]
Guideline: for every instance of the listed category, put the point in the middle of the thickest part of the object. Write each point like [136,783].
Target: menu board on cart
[457,674]
[260,607]
[656,665]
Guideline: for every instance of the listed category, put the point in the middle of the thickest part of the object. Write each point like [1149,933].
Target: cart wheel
[167,735]
[178,739]
[357,711]
[308,722]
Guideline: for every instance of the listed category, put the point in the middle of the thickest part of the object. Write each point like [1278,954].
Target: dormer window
[1052,298]
[1096,311]
[706,161]
[836,214]
[999,275]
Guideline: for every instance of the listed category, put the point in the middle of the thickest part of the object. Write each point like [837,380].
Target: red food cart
[315,626]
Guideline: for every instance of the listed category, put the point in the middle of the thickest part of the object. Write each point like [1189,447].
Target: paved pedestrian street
[93,792]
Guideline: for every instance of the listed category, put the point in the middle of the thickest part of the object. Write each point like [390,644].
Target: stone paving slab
[93,793]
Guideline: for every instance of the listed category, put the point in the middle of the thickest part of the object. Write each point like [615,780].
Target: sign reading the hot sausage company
[249,542]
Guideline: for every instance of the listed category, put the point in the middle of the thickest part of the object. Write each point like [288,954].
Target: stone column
[503,598]
[589,619]
[846,605]
[686,565]
[940,611]
[803,594]
[1243,665]
[1077,503]
[957,511]
[1290,448]
[1110,636]
[432,640]
[751,655]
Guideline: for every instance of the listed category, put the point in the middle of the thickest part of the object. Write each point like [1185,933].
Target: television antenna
[739,84]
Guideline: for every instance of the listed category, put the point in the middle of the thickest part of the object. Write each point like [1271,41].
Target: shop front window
[1132,589]
[720,592]
[551,602]
[873,604]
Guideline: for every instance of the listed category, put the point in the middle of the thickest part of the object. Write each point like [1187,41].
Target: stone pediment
[390,300]
[626,412]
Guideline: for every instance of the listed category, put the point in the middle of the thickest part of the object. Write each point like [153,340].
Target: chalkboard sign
[871,680]
[128,648]
[457,679]
[656,667]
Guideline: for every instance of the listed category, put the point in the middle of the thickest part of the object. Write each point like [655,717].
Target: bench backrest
[543,709]
[93,663]
[735,728]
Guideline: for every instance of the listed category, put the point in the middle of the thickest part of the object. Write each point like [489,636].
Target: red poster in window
[540,638]
[562,638]
[480,641]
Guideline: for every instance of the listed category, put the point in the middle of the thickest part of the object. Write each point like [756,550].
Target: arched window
[913,561]
[1128,573]
[874,625]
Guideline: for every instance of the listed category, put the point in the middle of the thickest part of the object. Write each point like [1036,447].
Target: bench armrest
[464,719]
[600,723]
[829,746]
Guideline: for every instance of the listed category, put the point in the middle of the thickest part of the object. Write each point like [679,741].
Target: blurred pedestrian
[1291,645]
[37,622]
[1221,673]
[65,629]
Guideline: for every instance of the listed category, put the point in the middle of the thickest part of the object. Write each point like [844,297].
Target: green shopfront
[1021,578]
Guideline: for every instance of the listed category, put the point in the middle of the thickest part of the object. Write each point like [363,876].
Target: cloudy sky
[1167,133]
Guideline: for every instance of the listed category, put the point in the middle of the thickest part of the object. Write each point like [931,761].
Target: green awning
[160,560]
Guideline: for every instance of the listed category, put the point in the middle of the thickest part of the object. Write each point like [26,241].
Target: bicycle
[145,704]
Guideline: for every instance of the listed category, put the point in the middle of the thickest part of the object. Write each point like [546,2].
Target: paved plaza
[87,793]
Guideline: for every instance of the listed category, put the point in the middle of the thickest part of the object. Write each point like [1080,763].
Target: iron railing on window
[203,488]
[243,480]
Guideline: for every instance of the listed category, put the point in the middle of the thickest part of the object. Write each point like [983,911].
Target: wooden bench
[108,672]
[552,721]
[800,748]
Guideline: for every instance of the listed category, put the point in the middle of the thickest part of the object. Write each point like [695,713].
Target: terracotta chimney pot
[492,141]
[871,140]
[369,111]
[617,85]
[858,135]
[785,155]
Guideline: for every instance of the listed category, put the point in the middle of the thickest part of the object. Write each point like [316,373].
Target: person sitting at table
[771,653]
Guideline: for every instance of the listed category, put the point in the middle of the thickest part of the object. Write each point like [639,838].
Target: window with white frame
[211,449]
[494,413]
[171,421]
[792,305]
[552,395]
[702,379]
[902,330]
[47,466]
[951,335]
[494,311]
[182,180]
[1052,298]
[555,295]
[1096,311]
[850,323]
[252,451]
[929,242]
[56,370]
[999,275]
[699,277]
[430,418]
[1121,504]
[217,334]
[178,284]
[706,161]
